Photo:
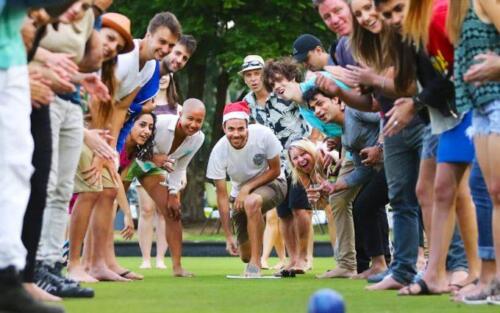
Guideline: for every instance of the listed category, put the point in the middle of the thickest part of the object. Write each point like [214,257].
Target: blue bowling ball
[326,301]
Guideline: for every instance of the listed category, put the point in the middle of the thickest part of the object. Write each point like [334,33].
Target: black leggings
[32,226]
[370,221]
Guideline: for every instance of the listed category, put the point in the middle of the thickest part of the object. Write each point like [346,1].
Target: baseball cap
[252,62]
[302,45]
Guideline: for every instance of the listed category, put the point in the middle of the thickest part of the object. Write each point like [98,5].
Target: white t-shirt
[246,163]
[164,138]
[128,74]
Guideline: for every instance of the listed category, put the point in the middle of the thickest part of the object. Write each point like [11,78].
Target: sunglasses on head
[250,64]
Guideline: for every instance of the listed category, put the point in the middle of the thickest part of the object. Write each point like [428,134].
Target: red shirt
[439,48]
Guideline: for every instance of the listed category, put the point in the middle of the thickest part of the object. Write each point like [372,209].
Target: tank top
[476,37]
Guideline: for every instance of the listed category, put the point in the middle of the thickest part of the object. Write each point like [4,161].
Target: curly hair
[285,67]
[145,152]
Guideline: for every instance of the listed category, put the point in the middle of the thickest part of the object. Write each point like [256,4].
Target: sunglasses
[250,64]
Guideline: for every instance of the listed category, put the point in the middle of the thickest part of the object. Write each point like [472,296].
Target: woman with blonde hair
[443,190]
[474,28]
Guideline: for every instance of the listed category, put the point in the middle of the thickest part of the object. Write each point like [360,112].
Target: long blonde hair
[298,176]
[417,21]
[456,14]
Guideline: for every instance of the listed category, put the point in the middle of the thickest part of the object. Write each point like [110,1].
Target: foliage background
[226,31]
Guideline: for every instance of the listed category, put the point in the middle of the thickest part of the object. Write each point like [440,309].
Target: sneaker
[377,278]
[57,270]
[15,299]
[494,288]
[252,271]
[58,286]
[475,299]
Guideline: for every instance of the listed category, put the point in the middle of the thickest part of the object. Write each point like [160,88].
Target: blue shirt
[146,93]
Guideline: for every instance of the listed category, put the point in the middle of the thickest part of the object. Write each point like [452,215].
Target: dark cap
[302,45]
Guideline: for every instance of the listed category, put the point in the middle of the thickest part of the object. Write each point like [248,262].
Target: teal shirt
[12,50]
[476,37]
[329,129]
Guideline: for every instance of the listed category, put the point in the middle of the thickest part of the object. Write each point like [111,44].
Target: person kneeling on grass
[250,155]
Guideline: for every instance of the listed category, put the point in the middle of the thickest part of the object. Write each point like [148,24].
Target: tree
[227,31]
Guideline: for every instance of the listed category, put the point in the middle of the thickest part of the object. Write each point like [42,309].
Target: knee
[252,205]
[110,192]
[423,192]
[494,191]
[302,214]
[444,192]
[147,211]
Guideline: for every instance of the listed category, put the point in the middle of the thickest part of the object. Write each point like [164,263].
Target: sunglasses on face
[250,64]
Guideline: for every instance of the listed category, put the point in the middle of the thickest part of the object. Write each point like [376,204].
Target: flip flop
[457,287]
[133,276]
[285,274]
[424,290]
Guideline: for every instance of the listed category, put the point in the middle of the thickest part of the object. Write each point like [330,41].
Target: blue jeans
[484,210]
[402,159]
[456,259]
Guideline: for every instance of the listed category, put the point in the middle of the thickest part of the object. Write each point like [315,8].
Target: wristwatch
[380,145]
[419,105]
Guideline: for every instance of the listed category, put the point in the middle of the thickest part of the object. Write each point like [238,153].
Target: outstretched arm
[223,205]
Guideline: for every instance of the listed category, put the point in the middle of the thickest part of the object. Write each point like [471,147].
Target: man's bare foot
[337,273]
[78,274]
[180,272]
[105,274]
[388,283]
[369,272]
[160,264]
[40,294]
[145,265]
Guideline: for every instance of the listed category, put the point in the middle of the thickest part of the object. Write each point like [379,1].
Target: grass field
[210,291]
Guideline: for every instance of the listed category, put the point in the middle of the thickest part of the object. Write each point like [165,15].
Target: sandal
[424,290]
[285,274]
[131,275]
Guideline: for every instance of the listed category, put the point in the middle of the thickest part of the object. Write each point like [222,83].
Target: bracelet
[380,145]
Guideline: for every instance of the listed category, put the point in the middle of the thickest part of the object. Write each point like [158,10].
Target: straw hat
[121,24]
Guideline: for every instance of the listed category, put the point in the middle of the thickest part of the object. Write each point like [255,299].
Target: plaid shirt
[282,116]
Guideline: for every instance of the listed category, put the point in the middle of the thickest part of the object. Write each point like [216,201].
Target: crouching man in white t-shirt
[250,155]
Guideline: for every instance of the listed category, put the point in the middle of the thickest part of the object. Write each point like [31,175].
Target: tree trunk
[193,196]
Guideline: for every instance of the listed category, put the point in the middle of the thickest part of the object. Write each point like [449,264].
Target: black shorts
[296,198]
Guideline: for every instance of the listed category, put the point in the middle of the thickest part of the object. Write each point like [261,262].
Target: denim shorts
[429,144]
[486,119]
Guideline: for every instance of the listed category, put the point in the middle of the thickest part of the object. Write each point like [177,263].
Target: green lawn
[210,291]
